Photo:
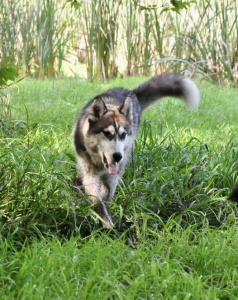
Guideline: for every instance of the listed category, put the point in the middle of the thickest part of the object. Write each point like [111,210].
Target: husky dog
[106,130]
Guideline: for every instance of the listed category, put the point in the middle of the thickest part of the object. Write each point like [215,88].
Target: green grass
[178,264]
[175,235]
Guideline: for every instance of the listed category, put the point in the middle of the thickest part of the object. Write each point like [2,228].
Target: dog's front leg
[91,185]
[108,187]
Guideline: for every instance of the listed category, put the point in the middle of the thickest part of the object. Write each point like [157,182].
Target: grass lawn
[175,234]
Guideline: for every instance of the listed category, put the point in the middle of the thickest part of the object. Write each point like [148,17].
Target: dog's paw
[100,208]
[107,222]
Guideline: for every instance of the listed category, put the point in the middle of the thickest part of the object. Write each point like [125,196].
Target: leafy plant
[8,74]
[174,5]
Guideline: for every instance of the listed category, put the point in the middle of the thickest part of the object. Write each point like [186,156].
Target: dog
[106,129]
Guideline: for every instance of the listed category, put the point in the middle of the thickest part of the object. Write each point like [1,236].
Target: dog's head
[108,131]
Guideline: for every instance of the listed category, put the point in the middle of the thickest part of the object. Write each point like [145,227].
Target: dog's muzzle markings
[106,130]
[112,168]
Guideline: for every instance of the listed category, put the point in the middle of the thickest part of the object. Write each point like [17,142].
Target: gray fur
[167,85]
[106,130]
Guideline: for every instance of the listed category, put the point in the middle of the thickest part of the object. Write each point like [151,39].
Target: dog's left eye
[123,136]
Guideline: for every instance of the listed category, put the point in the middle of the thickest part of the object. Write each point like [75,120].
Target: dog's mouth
[112,167]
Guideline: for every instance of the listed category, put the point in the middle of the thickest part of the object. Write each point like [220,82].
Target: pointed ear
[98,108]
[126,107]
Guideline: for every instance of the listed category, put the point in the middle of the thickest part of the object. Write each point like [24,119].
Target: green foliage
[8,72]
[8,75]
[74,3]
[178,4]
[175,5]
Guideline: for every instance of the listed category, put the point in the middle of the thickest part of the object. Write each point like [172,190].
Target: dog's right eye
[107,134]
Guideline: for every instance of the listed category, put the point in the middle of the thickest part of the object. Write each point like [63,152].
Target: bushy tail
[171,85]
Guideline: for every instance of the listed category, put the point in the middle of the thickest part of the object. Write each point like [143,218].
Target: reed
[121,37]
[101,36]
[213,39]
[37,33]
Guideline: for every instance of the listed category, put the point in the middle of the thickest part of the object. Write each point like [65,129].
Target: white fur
[110,129]
[121,130]
[109,147]
[85,128]
[192,97]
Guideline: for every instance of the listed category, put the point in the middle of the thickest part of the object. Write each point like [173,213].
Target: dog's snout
[117,156]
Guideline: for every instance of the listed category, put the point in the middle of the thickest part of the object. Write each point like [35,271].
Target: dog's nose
[117,156]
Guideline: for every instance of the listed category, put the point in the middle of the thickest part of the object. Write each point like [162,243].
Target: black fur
[79,142]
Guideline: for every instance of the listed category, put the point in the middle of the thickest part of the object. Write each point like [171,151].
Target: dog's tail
[171,85]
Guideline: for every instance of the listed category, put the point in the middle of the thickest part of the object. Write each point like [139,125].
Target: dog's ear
[126,107]
[98,108]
